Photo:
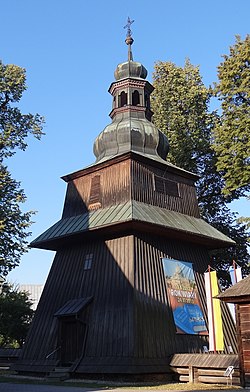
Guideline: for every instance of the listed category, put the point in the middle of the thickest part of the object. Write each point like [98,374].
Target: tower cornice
[130,82]
[130,109]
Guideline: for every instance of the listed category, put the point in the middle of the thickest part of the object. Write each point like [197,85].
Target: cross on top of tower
[129,40]
[128,25]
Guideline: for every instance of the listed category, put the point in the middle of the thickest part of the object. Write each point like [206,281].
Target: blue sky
[70,50]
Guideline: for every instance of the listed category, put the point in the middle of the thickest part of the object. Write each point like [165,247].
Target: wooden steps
[205,368]
[60,373]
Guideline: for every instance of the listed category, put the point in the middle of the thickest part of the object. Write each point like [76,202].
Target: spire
[129,40]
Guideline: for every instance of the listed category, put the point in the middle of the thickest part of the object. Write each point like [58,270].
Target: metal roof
[177,221]
[85,222]
[73,307]
[130,211]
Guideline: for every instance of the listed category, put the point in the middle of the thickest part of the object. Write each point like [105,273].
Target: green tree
[232,133]
[14,129]
[181,110]
[14,222]
[15,316]
[180,102]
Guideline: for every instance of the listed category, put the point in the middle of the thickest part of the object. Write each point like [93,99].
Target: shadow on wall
[104,306]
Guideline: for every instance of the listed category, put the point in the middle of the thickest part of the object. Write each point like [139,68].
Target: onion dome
[130,69]
[131,134]
[131,128]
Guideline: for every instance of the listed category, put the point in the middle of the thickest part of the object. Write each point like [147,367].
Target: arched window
[146,100]
[135,98]
[123,100]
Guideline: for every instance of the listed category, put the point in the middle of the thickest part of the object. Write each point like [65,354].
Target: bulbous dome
[130,134]
[131,129]
[130,69]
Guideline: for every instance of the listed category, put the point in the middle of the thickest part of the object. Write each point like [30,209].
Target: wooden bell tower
[104,308]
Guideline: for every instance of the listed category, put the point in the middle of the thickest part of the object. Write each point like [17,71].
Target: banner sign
[216,341]
[183,297]
[235,274]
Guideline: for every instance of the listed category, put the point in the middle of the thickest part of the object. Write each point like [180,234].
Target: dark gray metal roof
[177,221]
[130,211]
[73,307]
[130,133]
[85,222]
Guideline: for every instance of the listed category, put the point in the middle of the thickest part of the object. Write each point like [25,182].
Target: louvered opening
[162,185]
[95,193]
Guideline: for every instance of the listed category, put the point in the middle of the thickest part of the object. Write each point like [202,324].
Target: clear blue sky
[70,49]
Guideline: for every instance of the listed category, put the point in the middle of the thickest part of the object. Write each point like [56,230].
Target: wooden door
[73,333]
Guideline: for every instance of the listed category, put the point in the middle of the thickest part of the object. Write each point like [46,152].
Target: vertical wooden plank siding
[130,326]
[115,188]
[130,317]
[152,299]
[108,281]
[144,190]
[117,183]
[243,321]
[156,335]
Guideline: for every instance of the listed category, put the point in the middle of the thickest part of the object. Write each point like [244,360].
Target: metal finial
[128,25]
[129,40]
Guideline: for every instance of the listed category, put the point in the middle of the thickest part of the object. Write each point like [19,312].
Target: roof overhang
[236,300]
[144,158]
[238,293]
[130,217]
[73,307]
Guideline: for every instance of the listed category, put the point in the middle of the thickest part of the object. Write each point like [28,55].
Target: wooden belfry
[104,308]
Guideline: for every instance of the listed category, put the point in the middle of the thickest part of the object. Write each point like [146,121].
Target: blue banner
[183,296]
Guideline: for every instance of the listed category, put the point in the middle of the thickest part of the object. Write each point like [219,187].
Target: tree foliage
[181,110]
[180,102]
[15,317]
[14,222]
[232,133]
[14,129]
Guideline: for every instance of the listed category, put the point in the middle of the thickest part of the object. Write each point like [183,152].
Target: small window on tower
[88,261]
[123,100]
[135,98]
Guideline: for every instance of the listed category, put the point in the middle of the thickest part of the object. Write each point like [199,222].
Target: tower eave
[107,161]
[132,82]
[129,217]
